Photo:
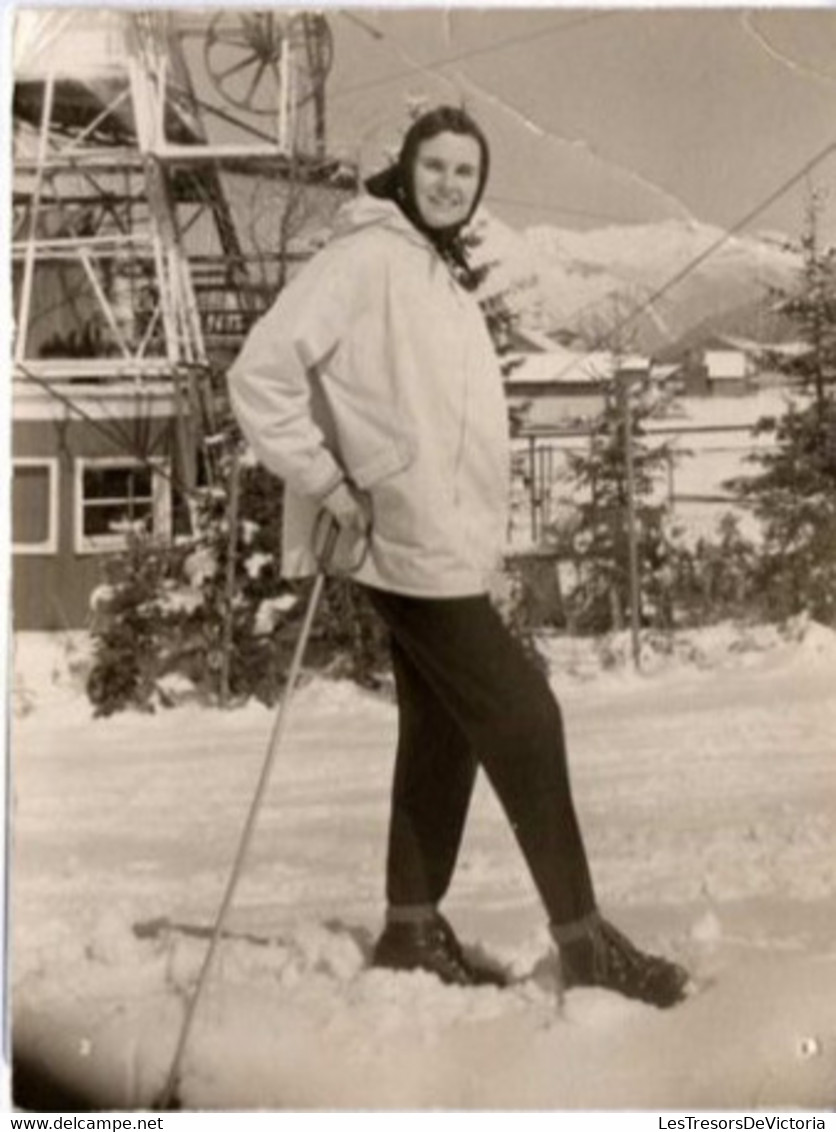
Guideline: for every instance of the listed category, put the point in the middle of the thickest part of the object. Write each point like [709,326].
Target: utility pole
[626,374]
[233,509]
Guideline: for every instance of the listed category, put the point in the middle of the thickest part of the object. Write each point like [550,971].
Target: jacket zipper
[463,427]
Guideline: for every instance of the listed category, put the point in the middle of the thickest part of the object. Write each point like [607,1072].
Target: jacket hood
[367,212]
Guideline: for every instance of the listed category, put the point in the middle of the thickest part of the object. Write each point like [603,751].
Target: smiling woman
[373,390]
[438,181]
[446,179]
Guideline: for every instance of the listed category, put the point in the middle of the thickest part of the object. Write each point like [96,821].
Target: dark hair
[396,183]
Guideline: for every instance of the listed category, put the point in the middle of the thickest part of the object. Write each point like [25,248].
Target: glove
[351,508]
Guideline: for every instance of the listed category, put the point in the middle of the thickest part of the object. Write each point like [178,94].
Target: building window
[115,494]
[34,505]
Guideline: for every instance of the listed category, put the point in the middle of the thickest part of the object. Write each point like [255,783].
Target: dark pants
[468,695]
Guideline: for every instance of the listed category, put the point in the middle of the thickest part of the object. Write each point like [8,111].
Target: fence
[703,458]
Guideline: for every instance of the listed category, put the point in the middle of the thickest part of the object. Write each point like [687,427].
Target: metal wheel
[244,55]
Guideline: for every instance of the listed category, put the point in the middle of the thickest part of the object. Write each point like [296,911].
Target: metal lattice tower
[127,254]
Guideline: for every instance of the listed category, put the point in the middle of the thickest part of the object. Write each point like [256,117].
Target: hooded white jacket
[374,364]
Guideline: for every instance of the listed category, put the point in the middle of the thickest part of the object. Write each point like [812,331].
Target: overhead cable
[615,331]
[461,56]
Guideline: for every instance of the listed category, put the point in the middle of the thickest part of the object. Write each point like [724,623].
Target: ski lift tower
[128,254]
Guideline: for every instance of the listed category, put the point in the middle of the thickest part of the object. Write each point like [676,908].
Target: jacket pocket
[389,458]
[366,432]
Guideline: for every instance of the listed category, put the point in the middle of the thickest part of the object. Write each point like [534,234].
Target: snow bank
[664,656]
[50,669]
[706,787]
[300,1022]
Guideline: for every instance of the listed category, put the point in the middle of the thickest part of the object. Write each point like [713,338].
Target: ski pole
[167,1097]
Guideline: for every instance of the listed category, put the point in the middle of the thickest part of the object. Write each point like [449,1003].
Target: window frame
[49,545]
[160,501]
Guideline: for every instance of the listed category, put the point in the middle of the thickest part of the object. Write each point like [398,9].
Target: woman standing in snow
[372,389]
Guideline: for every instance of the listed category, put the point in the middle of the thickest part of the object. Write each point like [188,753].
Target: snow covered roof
[536,339]
[726,365]
[663,372]
[757,349]
[562,366]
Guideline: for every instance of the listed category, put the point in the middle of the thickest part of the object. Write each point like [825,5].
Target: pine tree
[794,492]
[130,627]
[596,539]
[812,308]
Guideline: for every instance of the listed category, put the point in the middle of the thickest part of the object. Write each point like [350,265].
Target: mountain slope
[655,281]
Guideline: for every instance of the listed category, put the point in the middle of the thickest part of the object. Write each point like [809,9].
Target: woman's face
[445,178]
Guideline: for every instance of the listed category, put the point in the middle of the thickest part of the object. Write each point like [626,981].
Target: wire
[111,431]
[501,45]
[563,210]
[117,435]
[614,332]
[457,80]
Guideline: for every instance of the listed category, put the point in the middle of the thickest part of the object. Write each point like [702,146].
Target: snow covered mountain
[657,281]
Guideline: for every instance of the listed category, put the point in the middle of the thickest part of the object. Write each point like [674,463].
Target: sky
[601,116]
[608,116]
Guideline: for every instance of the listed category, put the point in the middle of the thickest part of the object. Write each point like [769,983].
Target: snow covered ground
[707,790]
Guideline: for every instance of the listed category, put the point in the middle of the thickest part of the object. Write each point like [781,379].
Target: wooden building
[85,467]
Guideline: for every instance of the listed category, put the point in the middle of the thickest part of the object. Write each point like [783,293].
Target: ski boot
[431,945]
[595,954]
